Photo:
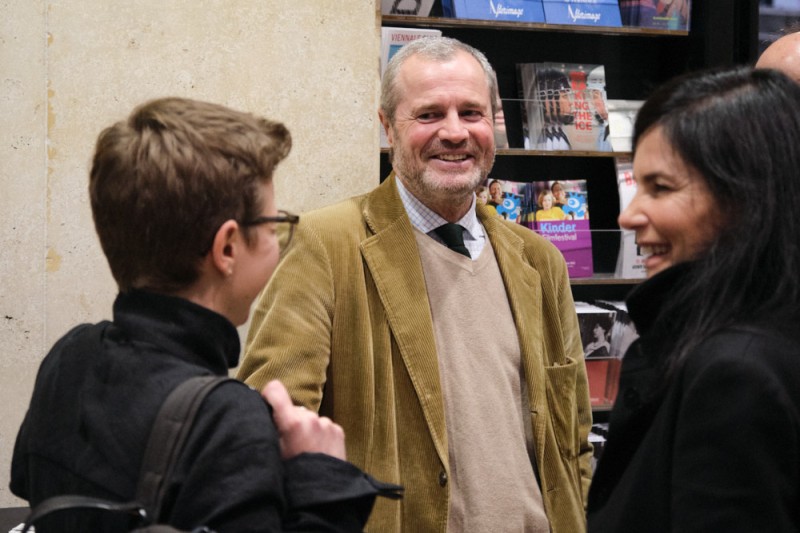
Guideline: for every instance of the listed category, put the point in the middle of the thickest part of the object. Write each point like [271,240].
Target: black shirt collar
[179,327]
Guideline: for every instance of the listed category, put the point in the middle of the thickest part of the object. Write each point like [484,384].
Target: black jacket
[718,448]
[96,397]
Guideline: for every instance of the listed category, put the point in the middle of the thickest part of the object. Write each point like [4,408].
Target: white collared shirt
[426,220]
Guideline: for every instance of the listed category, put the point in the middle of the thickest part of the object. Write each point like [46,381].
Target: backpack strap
[71,501]
[167,437]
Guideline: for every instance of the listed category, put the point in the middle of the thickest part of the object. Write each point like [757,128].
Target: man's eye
[427,117]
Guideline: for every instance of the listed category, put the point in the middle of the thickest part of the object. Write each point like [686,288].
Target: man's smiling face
[443,133]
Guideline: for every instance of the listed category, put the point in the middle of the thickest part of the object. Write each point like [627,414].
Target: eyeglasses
[284,226]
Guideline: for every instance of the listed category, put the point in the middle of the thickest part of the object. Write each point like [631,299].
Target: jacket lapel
[392,258]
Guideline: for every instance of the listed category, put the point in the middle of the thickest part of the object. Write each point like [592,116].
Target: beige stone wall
[69,68]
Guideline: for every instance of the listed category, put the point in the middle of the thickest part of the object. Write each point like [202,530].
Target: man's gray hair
[436,49]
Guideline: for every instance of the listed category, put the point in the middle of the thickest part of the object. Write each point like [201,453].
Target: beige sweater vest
[493,486]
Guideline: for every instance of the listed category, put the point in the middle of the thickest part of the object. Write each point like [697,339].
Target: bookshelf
[636,60]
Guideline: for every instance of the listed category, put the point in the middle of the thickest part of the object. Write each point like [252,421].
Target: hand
[302,430]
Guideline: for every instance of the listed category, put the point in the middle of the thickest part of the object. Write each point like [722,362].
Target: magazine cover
[583,12]
[630,262]
[557,210]
[595,325]
[392,39]
[661,14]
[560,213]
[623,333]
[511,10]
[505,196]
[621,118]
[418,8]
[564,106]
[545,107]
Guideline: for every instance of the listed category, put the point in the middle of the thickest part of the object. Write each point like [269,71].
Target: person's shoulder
[749,349]
[332,218]
[235,393]
[234,405]
[82,341]
[348,206]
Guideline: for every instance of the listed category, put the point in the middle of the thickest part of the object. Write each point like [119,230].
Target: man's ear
[224,250]
[386,127]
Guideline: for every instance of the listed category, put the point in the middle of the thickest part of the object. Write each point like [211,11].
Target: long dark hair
[740,130]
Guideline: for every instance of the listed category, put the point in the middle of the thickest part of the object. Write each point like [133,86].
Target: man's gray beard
[423,183]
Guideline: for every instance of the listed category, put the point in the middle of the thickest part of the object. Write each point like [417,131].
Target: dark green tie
[453,237]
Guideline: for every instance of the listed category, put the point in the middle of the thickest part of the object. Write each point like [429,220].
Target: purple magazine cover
[557,210]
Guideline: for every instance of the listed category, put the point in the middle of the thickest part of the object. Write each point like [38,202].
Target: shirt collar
[426,220]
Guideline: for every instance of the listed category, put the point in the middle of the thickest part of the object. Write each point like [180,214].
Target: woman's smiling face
[673,213]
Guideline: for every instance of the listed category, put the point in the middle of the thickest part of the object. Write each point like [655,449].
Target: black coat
[96,397]
[718,449]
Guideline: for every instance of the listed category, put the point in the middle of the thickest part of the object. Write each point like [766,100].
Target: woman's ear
[224,249]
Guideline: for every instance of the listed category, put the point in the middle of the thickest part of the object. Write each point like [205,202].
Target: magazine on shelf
[621,118]
[623,332]
[661,14]
[582,12]
[564,106]
[392,39]
[418,8]
[557,210]
[505,196]
[630,261]
[595,325]
[510,10]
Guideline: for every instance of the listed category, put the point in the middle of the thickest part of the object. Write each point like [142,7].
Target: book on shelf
[660,14]
[602,370]
[630,260]
[557,210]
[582,12]
[392,39]
[418,8]
[564,106]
[510,10]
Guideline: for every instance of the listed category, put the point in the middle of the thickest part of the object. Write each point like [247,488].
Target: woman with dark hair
[705,433]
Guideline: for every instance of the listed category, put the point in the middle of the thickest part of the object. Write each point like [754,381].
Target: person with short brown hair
[183,202]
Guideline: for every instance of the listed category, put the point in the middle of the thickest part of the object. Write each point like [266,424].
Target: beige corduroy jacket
[345,324]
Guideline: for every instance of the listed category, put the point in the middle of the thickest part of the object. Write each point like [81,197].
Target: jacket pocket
[561,401]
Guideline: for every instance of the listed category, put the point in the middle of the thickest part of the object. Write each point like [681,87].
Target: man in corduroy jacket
[456,370]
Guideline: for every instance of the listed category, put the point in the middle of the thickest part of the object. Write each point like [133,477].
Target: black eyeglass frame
[284,217]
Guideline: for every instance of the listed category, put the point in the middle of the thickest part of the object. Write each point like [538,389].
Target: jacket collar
[646,301]
[178,327]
